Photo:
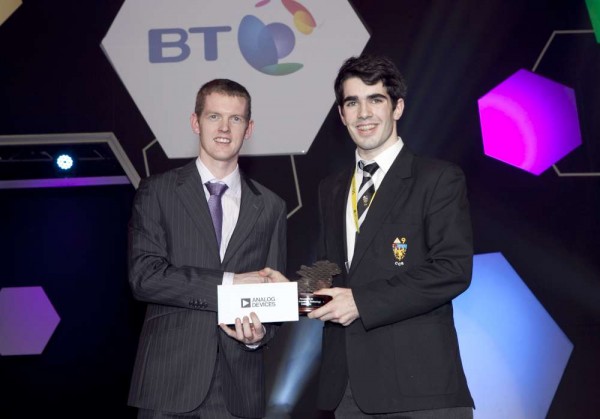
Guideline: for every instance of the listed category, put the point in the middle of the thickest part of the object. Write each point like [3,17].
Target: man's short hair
[225,87]
[371,70]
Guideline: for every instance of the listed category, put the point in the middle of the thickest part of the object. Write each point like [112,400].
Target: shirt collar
[386,158]
[232,180]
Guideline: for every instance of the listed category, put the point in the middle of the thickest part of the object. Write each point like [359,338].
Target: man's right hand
[271,275]
[249,278]
[261,277]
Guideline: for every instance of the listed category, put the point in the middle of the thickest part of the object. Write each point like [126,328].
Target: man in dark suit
[193,228]
[400,225]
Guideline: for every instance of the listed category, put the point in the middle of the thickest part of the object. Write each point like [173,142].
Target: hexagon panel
[594,10]
[513,352]
[27,320]
[286,53]
[529,122]
[7,8]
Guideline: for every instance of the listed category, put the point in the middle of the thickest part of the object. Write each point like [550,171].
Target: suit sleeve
[446,269]
[152,277]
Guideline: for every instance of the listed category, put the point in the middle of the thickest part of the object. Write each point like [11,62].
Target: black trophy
[313,278]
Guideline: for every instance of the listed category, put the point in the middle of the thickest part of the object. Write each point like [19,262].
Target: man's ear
[399,109]
[249,130]
[194,123]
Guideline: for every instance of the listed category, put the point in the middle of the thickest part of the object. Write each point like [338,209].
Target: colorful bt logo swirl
[264,45]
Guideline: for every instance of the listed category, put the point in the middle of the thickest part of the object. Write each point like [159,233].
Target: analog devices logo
[258,302]
[262,46]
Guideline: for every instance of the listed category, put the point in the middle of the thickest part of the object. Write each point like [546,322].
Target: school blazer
[413,255]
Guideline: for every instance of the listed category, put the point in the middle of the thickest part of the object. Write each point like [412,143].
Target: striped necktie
[366,190]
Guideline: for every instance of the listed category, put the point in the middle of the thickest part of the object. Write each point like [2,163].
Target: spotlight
[64,162]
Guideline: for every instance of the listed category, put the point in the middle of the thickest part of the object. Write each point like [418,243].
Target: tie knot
[370,168]
[216,188]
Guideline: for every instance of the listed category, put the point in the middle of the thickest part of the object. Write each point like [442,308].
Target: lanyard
[354,202]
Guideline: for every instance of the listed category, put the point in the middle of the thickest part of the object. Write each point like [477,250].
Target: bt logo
[262,46]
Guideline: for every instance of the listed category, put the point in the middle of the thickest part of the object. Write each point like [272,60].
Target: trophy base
[307,302]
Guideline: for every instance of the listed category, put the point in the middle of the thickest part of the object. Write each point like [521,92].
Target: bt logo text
[175,41]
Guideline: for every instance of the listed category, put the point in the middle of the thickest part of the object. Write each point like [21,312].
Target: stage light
[64,162]
[594,10]
[513,352]
[302,361]
[529,122]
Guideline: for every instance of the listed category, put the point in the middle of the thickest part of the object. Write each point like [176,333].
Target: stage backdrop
[64,69]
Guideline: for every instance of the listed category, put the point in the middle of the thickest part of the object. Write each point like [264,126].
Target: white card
[273,302]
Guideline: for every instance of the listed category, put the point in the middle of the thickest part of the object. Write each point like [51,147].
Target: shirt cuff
[227,278]
[256,345]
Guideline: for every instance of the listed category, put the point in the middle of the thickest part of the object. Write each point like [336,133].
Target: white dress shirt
[231,206]
[384,160]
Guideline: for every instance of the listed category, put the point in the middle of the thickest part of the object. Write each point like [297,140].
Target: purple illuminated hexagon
[27,320]
[529,121]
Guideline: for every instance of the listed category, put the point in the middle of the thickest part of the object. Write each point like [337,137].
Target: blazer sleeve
[278,247]
[152,277]
[445,271]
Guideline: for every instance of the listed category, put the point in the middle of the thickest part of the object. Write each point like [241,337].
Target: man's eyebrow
[370,97]
[377,96]
[350,99]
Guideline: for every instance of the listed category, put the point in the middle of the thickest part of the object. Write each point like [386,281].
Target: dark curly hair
[371,70]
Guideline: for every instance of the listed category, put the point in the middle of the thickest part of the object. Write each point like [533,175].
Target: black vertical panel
[73,243]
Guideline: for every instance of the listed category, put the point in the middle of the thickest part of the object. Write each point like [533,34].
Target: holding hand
[249,333]
[342,309]
[261,277]
[248,278]
[271,275]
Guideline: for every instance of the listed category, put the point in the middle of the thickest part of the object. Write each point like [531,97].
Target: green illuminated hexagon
[594,9]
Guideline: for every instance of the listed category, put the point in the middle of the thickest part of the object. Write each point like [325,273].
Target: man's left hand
[249,333]
[342,309]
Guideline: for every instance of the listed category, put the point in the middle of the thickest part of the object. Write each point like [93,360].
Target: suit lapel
[392,187]
[251,206]
[191,192]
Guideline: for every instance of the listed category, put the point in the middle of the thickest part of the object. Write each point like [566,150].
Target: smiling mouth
[366,127]
[222,140]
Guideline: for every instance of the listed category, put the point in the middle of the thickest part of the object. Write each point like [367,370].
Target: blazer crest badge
[399,247]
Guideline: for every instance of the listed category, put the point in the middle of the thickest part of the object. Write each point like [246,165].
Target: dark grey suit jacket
[175,267]
[402,353]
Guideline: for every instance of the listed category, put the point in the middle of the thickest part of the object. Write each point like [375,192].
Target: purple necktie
[216,191]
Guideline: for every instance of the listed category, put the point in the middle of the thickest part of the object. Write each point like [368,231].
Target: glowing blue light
[513,352]
[64,162]
[301,362]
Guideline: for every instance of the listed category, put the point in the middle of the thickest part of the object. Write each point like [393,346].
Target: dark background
[54,78]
